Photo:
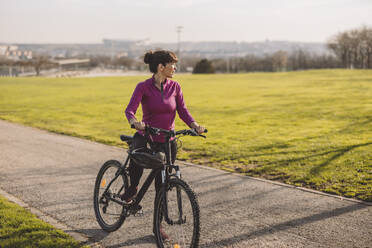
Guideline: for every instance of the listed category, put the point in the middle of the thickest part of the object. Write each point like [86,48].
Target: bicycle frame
[165,174]
[175,200]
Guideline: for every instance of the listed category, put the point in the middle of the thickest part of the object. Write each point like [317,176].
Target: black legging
[136,171]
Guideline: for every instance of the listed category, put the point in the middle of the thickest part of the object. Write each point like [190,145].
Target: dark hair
[153,59]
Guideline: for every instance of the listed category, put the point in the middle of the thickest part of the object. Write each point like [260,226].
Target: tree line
[353,47]
[349,49]
[279,61]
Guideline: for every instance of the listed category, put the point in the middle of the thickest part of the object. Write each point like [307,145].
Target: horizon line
[154,42]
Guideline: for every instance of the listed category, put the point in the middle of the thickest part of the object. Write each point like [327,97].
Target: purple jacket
[159,110]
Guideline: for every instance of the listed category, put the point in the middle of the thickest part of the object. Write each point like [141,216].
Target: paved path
[55,174]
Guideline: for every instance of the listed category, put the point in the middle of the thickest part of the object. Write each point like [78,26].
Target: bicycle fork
[179,201]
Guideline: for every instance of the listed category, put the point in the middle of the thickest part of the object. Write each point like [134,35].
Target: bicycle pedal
[137,210]
[139,213]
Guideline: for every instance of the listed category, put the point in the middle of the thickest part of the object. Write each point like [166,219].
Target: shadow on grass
[229,242]
[340,152]
[355,125]
[283,145]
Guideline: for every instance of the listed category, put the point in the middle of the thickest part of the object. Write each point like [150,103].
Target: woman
[160,98]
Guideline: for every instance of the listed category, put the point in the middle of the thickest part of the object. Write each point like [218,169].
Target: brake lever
[205,131]
[193,132]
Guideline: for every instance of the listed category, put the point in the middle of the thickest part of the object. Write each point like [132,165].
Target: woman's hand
[197,127]
[139,125]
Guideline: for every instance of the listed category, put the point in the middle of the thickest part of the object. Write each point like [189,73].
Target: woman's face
[169,70]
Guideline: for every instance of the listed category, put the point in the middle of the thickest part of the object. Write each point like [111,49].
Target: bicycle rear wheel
[109,185]
[176,216]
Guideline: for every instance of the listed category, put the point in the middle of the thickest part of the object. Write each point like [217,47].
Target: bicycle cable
[178,143]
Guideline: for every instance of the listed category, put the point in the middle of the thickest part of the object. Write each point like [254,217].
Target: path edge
[83,239]
[342,198]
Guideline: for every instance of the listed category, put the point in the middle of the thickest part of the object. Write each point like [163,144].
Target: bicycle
[176,209]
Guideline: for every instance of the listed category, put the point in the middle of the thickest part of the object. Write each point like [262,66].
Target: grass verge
[19,228]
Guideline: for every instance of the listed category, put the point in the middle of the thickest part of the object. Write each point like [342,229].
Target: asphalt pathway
[55,174]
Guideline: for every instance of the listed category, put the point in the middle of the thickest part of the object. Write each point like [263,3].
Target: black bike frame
[165,174]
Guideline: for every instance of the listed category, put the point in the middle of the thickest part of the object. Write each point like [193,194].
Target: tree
[220,65]
[124,62]
[353,47]
[188,63]
[41,61]
[204,66]
[279,61]
[99,60]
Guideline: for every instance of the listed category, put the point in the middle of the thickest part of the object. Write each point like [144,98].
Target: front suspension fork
[179,198]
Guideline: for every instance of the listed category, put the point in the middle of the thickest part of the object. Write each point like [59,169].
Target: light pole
[179,30]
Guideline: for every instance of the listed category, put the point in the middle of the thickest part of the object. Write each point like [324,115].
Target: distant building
[3,50]
[124,43]
[13,53]
[72,64]
[121,55]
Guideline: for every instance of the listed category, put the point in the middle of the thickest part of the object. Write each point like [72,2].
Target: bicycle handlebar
[171,133]
[191,132]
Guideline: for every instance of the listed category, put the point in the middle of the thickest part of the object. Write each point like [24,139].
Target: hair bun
[148,57]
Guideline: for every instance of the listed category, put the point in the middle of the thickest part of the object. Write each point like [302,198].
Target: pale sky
[89,21]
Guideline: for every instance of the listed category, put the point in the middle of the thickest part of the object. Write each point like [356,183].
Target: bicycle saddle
[126,138]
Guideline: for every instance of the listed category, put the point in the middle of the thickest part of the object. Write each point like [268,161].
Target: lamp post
[179,30]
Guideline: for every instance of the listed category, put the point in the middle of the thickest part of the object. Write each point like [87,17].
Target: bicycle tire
[109,227]
[189,200]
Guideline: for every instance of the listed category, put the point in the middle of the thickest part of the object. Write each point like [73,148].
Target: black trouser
[136,171]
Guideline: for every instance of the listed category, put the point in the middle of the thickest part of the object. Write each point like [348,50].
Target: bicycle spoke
[118,215]
[183,213]
[113,210]
[109,185]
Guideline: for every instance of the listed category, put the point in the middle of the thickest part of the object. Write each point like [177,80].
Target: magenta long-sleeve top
[159,109]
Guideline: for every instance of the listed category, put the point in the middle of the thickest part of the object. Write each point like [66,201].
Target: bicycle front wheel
[176,216]
[110,183]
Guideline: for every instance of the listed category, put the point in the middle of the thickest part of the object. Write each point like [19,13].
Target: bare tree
[41,62]
[353,47]
[123,62]
[279,61]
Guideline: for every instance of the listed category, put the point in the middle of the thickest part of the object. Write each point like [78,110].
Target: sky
[90,21]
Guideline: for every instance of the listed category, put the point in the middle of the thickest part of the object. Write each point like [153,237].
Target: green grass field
[311,128]
[20,228]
